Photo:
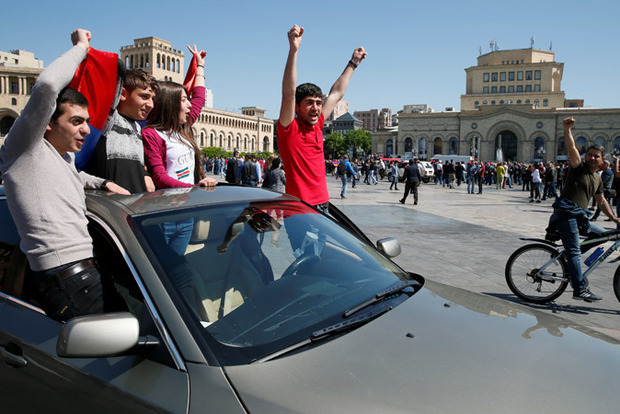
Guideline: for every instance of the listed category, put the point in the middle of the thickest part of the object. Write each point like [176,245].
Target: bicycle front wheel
[528,282]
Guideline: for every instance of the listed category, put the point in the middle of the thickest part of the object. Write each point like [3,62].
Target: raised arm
[289,81]
[574,158]
[199,55]
[340,86]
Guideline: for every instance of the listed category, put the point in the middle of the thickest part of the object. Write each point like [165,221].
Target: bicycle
[537,272]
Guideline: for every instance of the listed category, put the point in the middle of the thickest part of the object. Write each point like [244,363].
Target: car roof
[175,198]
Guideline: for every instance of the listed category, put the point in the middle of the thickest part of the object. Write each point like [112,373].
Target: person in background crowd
[394,175]
[412,181]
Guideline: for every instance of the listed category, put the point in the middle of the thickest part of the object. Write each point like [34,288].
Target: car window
[256,276]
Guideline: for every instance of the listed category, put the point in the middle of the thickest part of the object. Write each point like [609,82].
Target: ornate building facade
[513,109]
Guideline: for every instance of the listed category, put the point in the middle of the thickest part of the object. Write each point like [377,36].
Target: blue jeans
[394,182]
[371,177]
[572,221]
[178,234]
[343,192]
[77,295]
[471,183]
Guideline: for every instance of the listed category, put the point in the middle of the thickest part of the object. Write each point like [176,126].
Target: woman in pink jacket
[170,152]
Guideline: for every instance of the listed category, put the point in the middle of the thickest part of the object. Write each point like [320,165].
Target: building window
[519,76]
[528,88]
[476,104]
[437,146]
[484,103]
[492,102]
[580,143]
[536,102]
[536,88]
[502,77]
[617,143]
[485,90]
[494,77]
[519,88]
[537,74]
[511,89]
[511,76]
[545,102]
[528,75]
[502,89]
[453,146]
[527,102]
[501,102]
[518,101]
[539,149]
[600,141]
[485,77]
[493,89]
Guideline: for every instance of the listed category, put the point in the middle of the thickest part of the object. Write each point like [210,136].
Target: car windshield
[260,276]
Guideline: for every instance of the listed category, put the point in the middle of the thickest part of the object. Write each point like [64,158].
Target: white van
[456,158]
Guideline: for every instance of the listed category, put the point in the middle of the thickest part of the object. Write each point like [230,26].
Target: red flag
[96,79]
[190,78]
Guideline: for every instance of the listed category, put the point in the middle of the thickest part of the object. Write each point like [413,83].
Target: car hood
[443,350]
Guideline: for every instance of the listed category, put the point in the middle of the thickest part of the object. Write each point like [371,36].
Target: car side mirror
[100,335]
[389,246]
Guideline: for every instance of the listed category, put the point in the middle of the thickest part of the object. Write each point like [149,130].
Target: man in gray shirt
[45,193]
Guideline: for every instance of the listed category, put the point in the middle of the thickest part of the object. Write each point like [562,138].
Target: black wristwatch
[104,183]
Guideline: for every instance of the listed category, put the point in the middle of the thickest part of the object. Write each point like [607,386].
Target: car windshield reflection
[259,276]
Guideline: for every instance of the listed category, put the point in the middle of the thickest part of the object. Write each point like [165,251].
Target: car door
[33,378]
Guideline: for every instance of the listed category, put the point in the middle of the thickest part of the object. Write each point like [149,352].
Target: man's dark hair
[70,96]
[307,89]
[596,147]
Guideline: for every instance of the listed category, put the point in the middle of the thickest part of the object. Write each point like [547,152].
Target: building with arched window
[155,56]
[513,108]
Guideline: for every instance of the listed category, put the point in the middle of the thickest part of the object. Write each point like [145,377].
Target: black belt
[76,268]
[55,279]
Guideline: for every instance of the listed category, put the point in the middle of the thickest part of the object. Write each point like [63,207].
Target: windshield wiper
[379,297]
[330,330]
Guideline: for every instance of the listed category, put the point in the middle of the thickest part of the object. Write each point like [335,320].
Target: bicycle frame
[605,254]
[598,240]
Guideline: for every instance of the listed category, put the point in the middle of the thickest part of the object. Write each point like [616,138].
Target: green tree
[212,152]
[358,139]
[334,145]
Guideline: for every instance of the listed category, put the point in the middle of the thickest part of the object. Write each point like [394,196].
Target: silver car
[244,300]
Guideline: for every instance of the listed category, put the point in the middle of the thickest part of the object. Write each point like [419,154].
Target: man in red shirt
[302,116]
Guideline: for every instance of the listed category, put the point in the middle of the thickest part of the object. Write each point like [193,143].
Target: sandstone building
[513,102]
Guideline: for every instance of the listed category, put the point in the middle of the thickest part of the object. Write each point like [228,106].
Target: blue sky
[417,50]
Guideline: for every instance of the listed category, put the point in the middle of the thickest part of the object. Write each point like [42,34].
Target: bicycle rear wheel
[527,282]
